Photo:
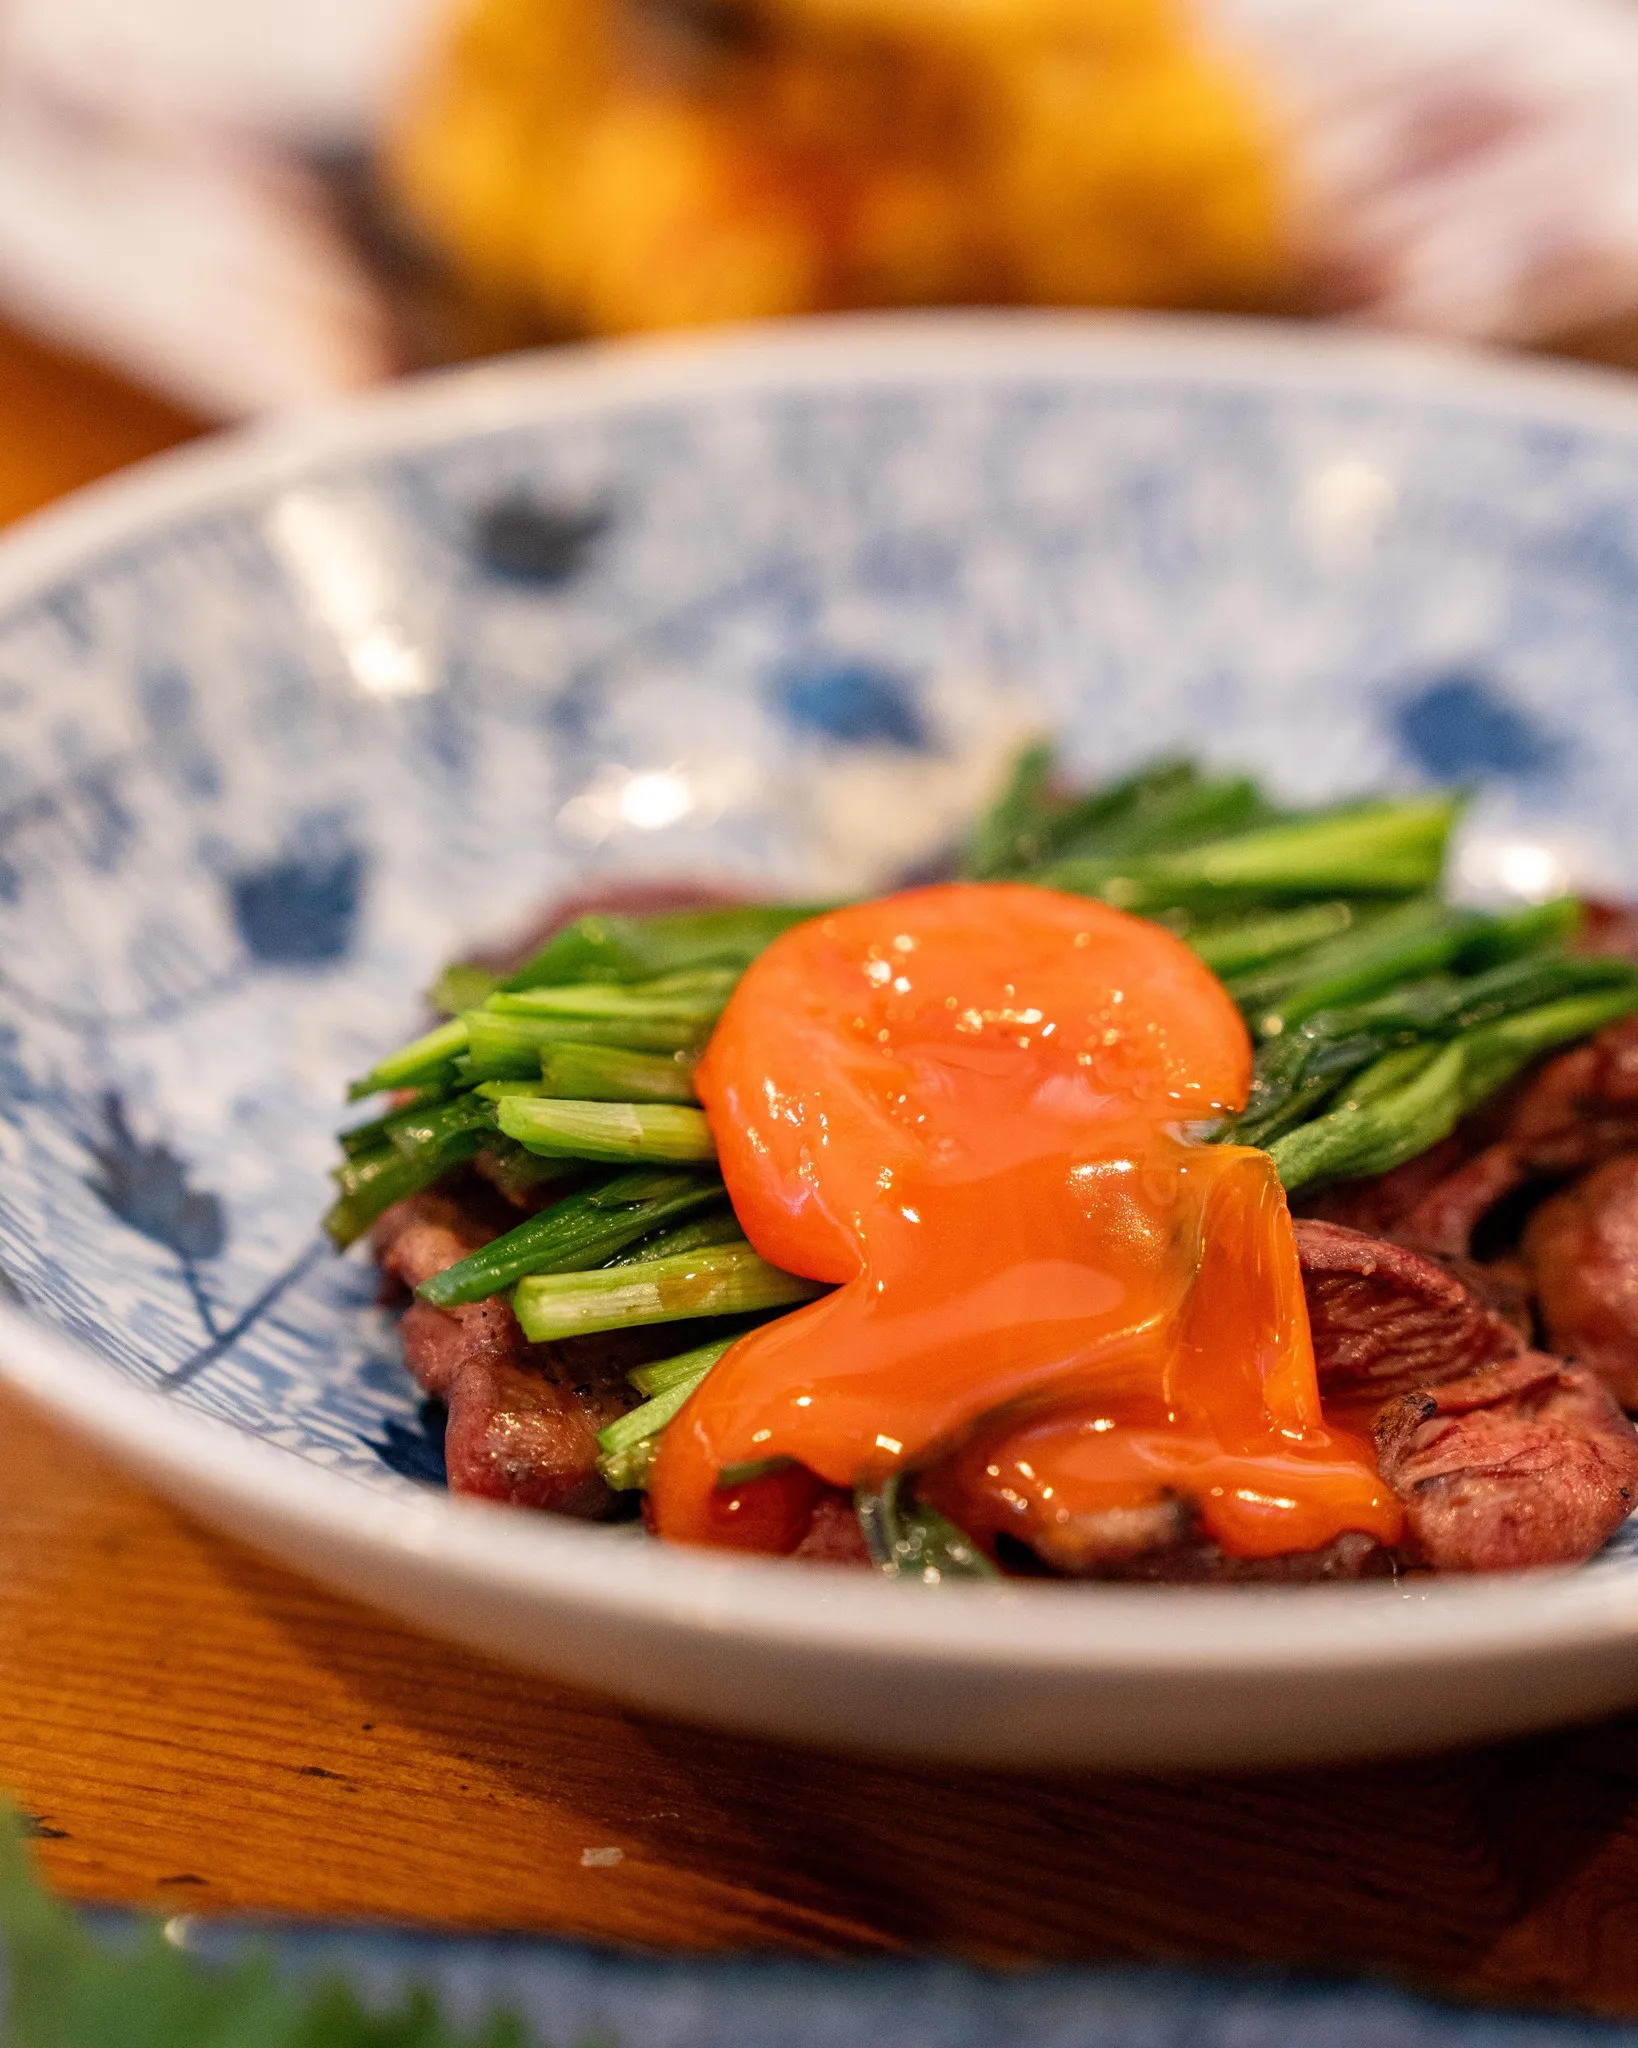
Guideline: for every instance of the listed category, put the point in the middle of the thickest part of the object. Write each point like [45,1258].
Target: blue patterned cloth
[575,1997]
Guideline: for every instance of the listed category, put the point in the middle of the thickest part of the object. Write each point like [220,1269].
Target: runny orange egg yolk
[968,1106]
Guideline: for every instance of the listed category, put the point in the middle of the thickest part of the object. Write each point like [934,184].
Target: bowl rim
[1018,1626]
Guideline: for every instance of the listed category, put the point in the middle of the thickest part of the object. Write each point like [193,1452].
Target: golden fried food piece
[619,164]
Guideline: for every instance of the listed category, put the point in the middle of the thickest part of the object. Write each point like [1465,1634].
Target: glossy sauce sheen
[966,1105]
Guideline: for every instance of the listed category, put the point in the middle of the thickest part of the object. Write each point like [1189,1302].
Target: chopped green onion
[1164,822]
[605,947]
[607,1130]
[585,1230]
[1249,943]
[1498,1051]
[508,1047]
[908,1539]
[370,1184]
[664,1373]
[1013,832]
[626,1448]
[462,985]
[412,1131]
[686,998]
[1381,1126]
[727,1281]
[424,1060]
[377,1132]
[1393,849]
[751,1469]
[1298,1073]
[1410,942]
[1538,928]
[720,1228]
[611,1073]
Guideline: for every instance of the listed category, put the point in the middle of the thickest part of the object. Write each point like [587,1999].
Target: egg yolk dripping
[966,1105]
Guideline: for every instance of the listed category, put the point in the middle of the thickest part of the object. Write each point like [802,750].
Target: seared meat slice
[630,899]
[1581,1108]
[416,1238]
[523,1418]
[1433,1203]
[1575,1111]
[1387,1319]
[1581,1248]
[1527,1463]
[834,1535]
[1378,1205]
[1162,1544]
[1608,928]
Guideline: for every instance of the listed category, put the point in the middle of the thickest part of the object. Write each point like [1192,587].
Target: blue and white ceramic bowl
[288,720]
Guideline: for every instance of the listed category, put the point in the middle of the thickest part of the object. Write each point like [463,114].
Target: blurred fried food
[605,165]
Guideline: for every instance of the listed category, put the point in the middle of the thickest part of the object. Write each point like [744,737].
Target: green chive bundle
[1382,1014]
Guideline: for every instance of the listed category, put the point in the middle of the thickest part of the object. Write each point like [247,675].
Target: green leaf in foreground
[65,1989]
[728,1280]
[907,1539]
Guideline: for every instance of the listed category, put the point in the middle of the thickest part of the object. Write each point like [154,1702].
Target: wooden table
[193,1728]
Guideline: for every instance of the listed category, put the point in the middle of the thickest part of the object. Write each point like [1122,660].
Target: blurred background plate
[291,719]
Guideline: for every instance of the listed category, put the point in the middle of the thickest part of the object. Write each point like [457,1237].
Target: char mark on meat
[1388,1320]
[1527,1463]
[523,1418]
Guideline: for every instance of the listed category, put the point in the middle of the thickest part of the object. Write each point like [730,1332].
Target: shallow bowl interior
[289,721]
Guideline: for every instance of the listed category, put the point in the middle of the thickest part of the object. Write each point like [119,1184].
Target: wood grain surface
[195,1729]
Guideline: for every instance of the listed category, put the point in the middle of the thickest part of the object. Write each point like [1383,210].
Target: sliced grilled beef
[1387,1320]
[1573,1112]
[523,1418]
[1581,1248]
[1378,1205]
[834,1535]
[1581,1108]
[1608,928]
[1163,1544]
[1526,1463]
